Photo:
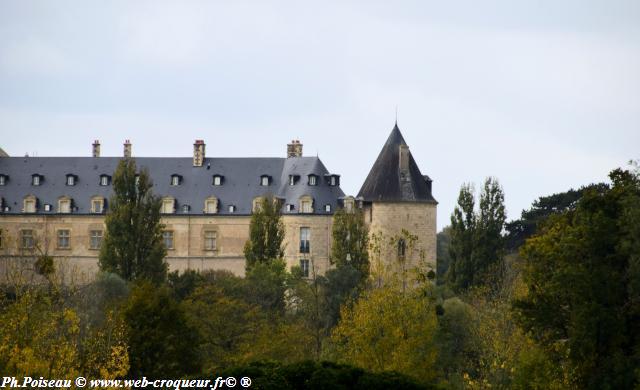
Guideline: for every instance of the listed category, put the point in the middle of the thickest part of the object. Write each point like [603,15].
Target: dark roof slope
[240,186]
[383,182]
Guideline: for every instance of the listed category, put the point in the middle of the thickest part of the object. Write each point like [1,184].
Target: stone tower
[396,196]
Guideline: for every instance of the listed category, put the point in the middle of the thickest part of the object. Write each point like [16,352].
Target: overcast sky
[543,95]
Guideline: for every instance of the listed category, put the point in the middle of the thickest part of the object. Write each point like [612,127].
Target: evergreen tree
[476,249]
[266,234]
[133,246]
[350,241]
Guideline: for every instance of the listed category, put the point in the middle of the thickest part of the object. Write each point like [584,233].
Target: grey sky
[544,95]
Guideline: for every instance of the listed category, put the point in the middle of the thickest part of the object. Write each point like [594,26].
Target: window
[211,205]
[290,207]
[264,180]
[217,180]
[210,238]
[313,180]
[167,238]
[3,180]
[95,239]
[401,248]
[36,179]
[306,204]
[30,203]
[64,205]
[186,208]
[63,239]
[26,239]
[232,208]
[71,180]
[327,208]
[305,234]
[104,180]
[47,207]
[168,206]
[97,204]
[175,180]
[257,204]
[293,179]
[304,265]
[333,180]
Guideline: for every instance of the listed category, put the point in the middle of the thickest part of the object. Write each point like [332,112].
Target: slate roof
[240,186]
[384,183]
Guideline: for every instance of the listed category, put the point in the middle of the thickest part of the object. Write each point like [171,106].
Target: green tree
[476,248]
[582,274]
[350,241]
[266,233]
[161,341]
[133,246]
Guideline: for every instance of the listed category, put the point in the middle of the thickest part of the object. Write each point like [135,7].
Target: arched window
[30,204]
[97,204]
[64,205]
[306,204]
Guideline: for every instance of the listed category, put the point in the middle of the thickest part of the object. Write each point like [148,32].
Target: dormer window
[64,205]
[306,204]
[265,180]
[211,205]
[290,207]
[232,208]
[176,180]
[30,204]
[47,207]
[186,208]
[97,204]
[105,180]
[333,180]
[313,180]
[293,179]
[327,208]
[3,180]
[168,205]
[36,179]
[71,180]
[217,180]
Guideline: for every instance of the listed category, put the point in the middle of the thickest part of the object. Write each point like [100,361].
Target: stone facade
[188,249]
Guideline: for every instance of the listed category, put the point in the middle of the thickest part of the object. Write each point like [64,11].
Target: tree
[266,233]
[350,241]
[386,330]
[582,273]
[161,341]
[476,248]
[133,246]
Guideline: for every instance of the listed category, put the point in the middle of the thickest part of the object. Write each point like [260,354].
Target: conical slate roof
[384,180]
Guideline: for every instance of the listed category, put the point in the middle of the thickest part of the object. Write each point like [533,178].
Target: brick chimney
[198,153]
[127,149]
[294,149]
[95,150]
